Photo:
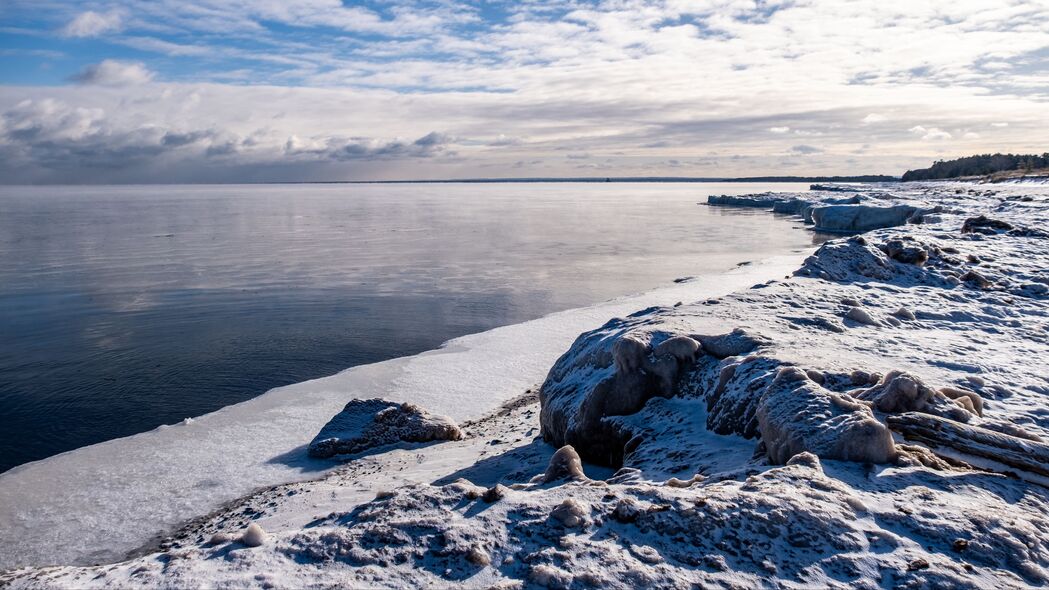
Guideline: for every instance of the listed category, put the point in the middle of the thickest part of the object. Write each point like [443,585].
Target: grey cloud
[359,148]
[805,150]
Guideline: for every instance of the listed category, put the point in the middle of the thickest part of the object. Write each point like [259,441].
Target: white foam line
[97,503]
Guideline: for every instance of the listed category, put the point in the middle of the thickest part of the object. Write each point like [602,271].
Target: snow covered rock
[902,392]
[611,371]
[860,218]
[253,536]
[796,415]
[366,424]
[564,464]
[985,225]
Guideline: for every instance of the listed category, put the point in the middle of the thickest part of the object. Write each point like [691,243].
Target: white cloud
[970,135]
[111,72]
[615,80]
[94,24]
[930,134]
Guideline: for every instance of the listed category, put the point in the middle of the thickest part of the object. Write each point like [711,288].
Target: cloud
[805,150]
[94,24]
[359,148]
[326,87]
[1003,124]
[930,134]
[111,72]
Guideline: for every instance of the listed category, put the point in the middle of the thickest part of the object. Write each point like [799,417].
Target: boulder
[796,416]
[366,424]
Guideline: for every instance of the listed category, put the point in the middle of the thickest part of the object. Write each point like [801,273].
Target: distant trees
[980,165]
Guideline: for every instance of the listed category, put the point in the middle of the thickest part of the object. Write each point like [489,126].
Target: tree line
[980,165]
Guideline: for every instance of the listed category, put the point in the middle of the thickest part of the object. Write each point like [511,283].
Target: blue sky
[240,90]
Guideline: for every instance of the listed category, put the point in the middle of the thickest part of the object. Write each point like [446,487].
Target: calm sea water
[124,308]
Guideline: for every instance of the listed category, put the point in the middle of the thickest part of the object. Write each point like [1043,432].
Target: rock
[907,253]
[478,557]
[796,416]
[918,564]
[902,392]
[220,538]
[253,536]
[629,354]
[733,404]
[974,278]
[972,400]
[564,464]
[861,316]
[984,225]
[904,314]
[366,424]
[859,377]
[547,576]
[495,493]
[571,513]
[626,511]
[622,375]
[806,459]
[681,348]
[735,343]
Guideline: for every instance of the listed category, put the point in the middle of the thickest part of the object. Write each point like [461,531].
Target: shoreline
[301,409]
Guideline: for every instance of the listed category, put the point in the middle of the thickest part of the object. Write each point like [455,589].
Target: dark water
[123,308]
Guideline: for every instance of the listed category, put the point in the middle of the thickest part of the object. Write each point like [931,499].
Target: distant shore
[861,178]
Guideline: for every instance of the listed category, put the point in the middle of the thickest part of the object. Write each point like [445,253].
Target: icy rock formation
[582,391]
[765,200]
[606,375]
[901,392]
[906,251]
[732,402]
[254,536]
[858,259]
[366,424]
[985,225]
[796,415]
[564,464]
[860,218]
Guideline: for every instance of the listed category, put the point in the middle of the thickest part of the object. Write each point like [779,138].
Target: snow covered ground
[872,416]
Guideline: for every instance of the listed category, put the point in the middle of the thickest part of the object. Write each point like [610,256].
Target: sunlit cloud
[322,89]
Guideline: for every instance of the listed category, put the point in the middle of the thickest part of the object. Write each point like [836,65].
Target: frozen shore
[100,503]
[870,416]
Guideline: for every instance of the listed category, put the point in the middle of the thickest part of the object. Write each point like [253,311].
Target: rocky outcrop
[367,424]
[796,415]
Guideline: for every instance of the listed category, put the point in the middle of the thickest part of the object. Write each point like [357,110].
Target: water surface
[123,308]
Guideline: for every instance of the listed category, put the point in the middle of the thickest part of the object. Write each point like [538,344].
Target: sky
[319,90]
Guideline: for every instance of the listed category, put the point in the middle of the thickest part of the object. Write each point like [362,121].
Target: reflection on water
[123,308]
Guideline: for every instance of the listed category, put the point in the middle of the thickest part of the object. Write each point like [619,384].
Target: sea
[124,308]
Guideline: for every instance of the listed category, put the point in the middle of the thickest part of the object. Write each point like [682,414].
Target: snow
[747,437]
[101,502]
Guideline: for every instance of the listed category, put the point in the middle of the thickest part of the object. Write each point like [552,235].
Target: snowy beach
[872,415]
